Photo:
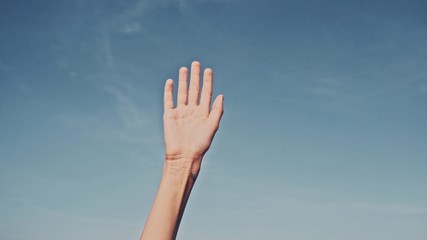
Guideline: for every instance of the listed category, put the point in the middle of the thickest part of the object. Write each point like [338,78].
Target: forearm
[178,178]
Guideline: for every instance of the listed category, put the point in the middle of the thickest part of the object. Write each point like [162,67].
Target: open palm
[190,127]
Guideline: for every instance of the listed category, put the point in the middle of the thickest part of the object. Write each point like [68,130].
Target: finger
[206,97]
[168,95]
[182,86]
[194,83]
[217,111]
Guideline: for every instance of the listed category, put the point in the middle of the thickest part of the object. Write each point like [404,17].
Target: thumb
[217,110]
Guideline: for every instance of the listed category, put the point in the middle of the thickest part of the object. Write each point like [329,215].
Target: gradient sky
[323,136]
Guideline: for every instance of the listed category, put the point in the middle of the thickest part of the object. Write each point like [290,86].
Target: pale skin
[189,128]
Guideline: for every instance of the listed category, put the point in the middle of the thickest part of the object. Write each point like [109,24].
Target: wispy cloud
[360,206]
[388,208]
[128,121]
[289,198]
[48,223]
[129,22]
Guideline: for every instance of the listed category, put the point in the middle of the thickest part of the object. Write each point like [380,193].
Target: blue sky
[323,136]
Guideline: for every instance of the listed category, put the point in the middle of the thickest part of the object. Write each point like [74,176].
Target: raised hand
[189,127]
[189,130]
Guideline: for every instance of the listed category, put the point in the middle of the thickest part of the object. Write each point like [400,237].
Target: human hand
[189,128]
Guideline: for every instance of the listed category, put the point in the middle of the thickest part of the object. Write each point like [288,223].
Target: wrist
[183,164]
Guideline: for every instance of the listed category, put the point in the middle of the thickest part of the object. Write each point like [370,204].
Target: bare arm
[189,129]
